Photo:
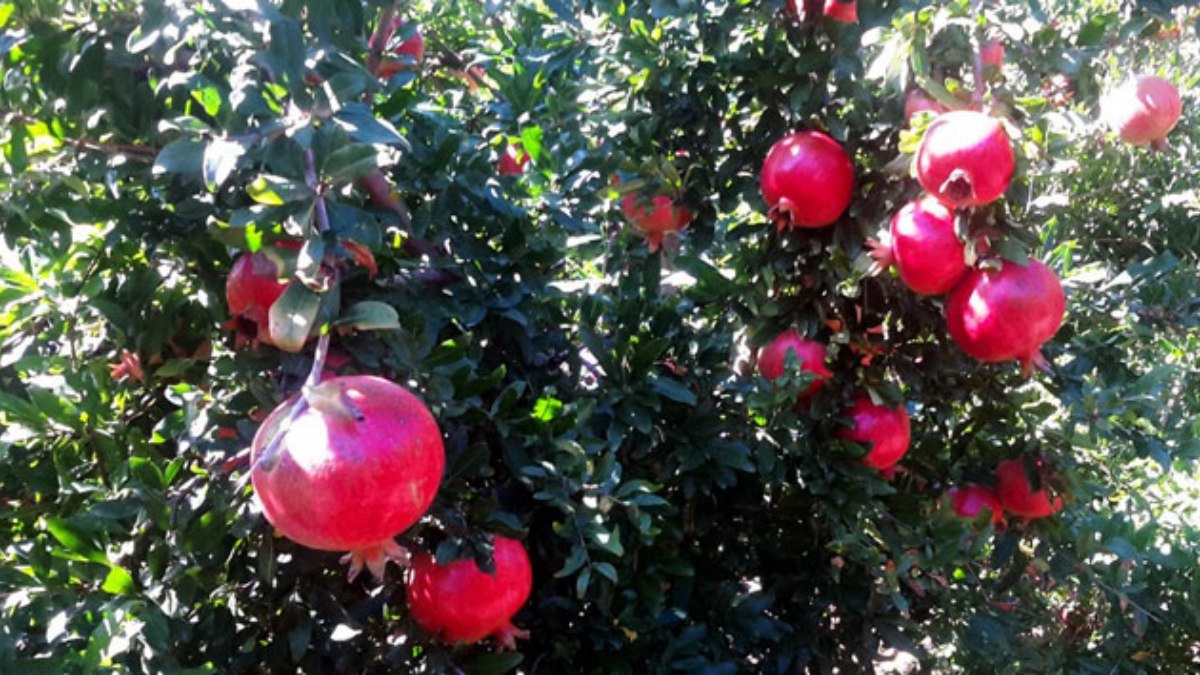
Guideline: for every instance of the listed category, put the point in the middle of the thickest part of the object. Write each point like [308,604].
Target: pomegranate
[1143,110]
[884,430]
[407,55]
[916,100]
[1015,493]
[807,180]
[965,159]
[513,161]
[460,603]
[842,11]
[925,249]
[773,358]
[656,219]
[970,500]
[254,285]
[357,464]
[992,53]
[1008,314]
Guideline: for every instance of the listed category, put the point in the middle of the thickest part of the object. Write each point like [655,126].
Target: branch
[980,83]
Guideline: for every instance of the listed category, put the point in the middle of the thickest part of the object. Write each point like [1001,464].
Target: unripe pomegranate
[460,603]
[413,48]
[1008,314]
[1142,110]
[925,249]
[1017,495]
[916,100]
[773,358]
[656,219]
[992,53]
[842,11]
[254,284]
[513,161]
[807,180]
[968,501]
[965,159]
[884,430]
[359,464]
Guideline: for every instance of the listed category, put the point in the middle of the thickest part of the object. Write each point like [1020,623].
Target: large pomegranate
[807,180]
[254,284]
[359,464]
[773,358]
[655,219]
[925,248]
[460,603]
[1007,314]
[842,11]
[1142,110]
[413,48]
[884,430]
[970,500]
[965,159]
[1018,496]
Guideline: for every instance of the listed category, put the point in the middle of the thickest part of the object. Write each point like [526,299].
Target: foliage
[597,400]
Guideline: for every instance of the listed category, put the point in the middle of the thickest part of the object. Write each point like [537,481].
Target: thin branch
[980,83]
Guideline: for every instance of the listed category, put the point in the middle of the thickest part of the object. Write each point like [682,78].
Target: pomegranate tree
[1017,494]
[407,55]
[513,161]
[807,180]
[655,219]
[885,431]
[1143,110]
[1006,314]
[925,248]
[459,603]
[965,159]
[968,501]
[842,11]
[810,354]
[255,282]
[357,460]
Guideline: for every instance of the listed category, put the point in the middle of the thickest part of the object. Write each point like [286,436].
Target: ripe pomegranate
[413,48]
[656,219]
[359,464]
[916,100]
[842,11]
[1008,314]
[970,500]
[884,430]
[1142,110]
[965,159]
[992,53]
[773,358]
[254,285]
[460,603]
[1016,494]
[807,180]
[513,161]
[925,249]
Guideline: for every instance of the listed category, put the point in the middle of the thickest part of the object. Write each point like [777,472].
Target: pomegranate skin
[1006,315]
[655,219]
[811,354]
[1016,495]
[458,603]
[413,47]
[968,501]
[512,162]
[884,430]
[917,100]
[1143,110]
[358,466]
[965,159]
[842,11]
[807,180]
[992,53]
[254,284]
[925,249]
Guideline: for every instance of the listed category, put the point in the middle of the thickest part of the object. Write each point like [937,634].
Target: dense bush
[597,400]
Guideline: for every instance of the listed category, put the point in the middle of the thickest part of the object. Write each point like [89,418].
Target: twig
[980,83]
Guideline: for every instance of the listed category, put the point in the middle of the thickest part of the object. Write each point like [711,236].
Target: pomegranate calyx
[881,252]
[1160,145]
[1036,360]
[375,559]
[506,636]
[958,186]
[781,214]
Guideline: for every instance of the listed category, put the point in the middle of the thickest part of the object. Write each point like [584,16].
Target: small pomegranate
[925,249]
[1008,314]
[884,430]
[1016,494]
[656,219]
[773,358]
[842,11]
[965,159]
[807,180]
[916,100]
[1143,110]
[513,161]
[254,285]
[992,53]
[459,603]
[409,54]
[358,464]
[968,501]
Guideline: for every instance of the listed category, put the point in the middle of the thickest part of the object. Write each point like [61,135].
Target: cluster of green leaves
[597,401]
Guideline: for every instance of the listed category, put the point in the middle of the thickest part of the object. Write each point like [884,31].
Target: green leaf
[349,163]
[673,389]
[370,315]
[220,159]
[118,581]
[360,123]
[183,157]
[493,664]
[274,190]
[75,539]
[293,316]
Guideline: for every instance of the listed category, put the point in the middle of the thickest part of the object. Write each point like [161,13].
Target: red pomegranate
[1142,110]
[925,249]
[460,603]
[807,180]
[992,53]
[970,500]
[916,100]
[408,55]
[965,159]
[358,465]
[773,358]
[1008,314]
[842,11]
[656,219]
[513,161]
[254,285]
[1016,494]
[884,430]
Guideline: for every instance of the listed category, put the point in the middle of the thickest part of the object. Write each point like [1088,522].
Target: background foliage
[596,399]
